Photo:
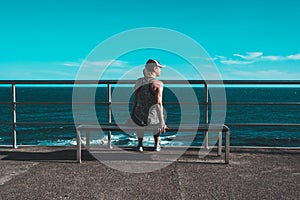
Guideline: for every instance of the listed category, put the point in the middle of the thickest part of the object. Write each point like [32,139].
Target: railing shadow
[57,156]
[68,155]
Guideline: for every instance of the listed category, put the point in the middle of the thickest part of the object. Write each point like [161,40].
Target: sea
[46,124]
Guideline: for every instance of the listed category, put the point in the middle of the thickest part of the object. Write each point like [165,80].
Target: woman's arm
[158,86]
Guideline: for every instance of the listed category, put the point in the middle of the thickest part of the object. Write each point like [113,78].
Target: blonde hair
[148,73]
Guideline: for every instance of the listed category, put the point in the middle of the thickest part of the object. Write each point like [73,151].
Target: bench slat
[172,127]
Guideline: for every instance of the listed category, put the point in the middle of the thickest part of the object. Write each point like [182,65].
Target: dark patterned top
[146,109]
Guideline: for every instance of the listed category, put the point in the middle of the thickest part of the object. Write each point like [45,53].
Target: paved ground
[52,173]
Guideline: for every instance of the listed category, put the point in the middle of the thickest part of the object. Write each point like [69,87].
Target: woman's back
[145,111]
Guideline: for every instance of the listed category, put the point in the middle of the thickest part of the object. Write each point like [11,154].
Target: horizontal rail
[233,82]
[5,102]
[45,123]
[191,103]
[103,102]
[38,123]
[93,123]
[261,124]
[52,102]
[263,103]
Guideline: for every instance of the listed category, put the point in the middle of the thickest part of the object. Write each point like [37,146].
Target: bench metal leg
[109,139]
[227,147]
[206,140]
[220,144]
[78,147]
[88,140]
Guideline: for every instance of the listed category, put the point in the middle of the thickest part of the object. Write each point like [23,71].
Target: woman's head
[152,68]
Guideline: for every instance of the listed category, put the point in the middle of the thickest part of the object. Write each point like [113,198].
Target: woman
[147,107]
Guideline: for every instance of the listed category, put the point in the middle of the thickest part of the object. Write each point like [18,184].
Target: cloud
[264,74]
[273,58]
[294,57]
[252,57]
[202,58]
[235,62]
[249,56]
[239,59]
[104,63]
[71,64]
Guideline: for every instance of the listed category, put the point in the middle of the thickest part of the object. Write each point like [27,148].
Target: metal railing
[206,85]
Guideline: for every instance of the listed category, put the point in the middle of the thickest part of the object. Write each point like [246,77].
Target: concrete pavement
[52,173]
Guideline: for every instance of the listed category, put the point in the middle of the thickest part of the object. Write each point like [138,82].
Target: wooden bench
[172,128]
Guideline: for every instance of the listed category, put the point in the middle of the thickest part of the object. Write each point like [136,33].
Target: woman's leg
[140,135]
[156,141]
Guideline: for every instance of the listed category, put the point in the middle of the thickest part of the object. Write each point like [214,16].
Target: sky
[245,40]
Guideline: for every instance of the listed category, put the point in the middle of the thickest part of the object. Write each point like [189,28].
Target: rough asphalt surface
[52,173]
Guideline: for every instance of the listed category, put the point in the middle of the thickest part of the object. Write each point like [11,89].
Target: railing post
[109,113]
[14,115]
[206,114]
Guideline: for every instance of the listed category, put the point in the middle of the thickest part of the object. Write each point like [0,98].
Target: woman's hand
[163,128]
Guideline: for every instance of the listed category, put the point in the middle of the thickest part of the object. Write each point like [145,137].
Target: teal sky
[49,39]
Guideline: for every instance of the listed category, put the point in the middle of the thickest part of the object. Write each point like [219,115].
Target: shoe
[140,149]
[158,148]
